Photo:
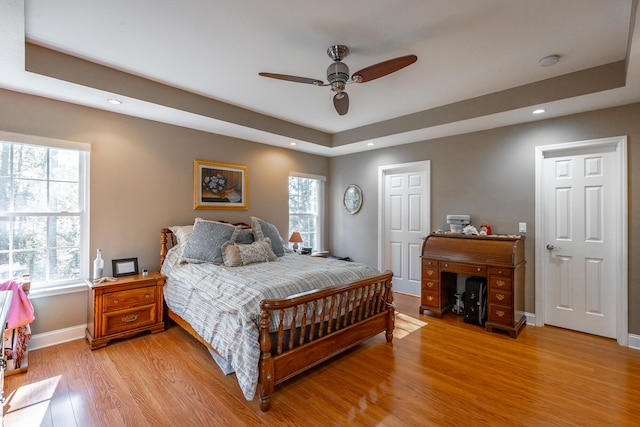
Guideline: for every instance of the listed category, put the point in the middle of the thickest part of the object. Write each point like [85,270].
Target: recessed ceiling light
[549,60]
[293,143]
[539,111]
[370,144]
[114,101]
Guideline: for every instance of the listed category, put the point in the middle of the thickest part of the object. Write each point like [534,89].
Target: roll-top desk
[499,259]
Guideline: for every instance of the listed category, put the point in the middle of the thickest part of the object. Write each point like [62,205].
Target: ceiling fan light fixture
[338,72]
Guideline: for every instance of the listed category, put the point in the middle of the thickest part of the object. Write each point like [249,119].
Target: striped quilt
[222,304]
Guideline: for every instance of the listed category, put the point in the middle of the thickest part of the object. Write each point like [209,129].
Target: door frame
[424,167]
[619,143]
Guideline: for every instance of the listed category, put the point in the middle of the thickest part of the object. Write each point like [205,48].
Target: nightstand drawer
[129,298]
[125,320]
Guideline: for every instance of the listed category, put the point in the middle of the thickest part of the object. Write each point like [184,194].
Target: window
[43,210]
[306,209]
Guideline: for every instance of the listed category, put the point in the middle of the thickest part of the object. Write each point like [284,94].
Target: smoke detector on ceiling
[549,60]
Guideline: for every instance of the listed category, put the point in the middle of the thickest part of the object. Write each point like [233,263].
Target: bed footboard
[317,325]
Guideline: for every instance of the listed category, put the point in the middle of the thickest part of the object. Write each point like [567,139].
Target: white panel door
[579,218]
[404,214]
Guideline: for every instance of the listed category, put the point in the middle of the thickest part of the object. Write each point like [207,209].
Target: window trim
[84,150]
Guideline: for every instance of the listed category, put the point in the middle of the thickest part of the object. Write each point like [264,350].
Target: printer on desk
[458,222]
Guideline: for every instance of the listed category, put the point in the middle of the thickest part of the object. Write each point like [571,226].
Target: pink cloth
[21,310]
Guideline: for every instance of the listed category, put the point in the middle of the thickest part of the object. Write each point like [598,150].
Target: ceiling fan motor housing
[338,75]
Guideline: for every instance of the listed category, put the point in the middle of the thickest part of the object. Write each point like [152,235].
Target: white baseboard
[531,318]
[58,336]
[634,341]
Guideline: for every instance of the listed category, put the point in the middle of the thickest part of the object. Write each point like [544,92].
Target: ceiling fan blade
[341,102]
[383,68]
[295,79]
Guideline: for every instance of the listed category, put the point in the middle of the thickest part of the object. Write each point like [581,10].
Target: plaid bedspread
[222,304]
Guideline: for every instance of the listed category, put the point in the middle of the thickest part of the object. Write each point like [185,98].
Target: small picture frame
[125,267]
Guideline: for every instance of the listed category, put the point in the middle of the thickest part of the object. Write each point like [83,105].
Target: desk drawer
[470,269]
[504,272]
[430,274]
[430,285]
[500,297]
[431,298]
[501,314]
[500,283]
[429,263]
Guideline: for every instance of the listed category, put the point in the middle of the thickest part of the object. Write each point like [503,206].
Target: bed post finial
[163,246]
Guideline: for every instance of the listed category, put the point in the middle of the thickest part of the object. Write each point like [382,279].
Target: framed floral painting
[219,185]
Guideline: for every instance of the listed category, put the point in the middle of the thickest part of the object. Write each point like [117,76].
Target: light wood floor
[444,373]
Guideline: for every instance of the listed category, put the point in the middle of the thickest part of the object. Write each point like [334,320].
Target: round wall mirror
[352,199]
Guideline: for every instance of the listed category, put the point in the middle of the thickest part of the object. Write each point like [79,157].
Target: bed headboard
[168,240]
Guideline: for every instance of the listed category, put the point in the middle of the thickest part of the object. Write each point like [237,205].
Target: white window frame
[321,206]
[84,149]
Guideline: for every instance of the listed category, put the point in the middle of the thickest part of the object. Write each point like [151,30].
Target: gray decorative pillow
[236,255]
[262,229]
[206,240]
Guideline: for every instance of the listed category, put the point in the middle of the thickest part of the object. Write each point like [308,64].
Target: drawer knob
[500,313]
[499,297]
[130,318]
[429,273]
[478,269]
[430,284]
[446,265]
[500,283]
[115,301]
[147,296]
[430,298]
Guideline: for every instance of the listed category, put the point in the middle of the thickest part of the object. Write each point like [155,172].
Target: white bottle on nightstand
[98,266]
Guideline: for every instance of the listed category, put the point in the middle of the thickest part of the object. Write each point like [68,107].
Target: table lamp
[295,239]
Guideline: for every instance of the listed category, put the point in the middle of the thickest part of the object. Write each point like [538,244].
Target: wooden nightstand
[124,308]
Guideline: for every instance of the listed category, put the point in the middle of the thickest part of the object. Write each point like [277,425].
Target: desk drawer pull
[500,283]
[500,313]
[130,318]
[429,298]
[115,301]
[499,297]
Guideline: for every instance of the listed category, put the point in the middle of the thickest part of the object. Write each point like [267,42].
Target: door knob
[551,247]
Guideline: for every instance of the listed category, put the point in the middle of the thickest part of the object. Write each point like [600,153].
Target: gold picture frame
[219,185]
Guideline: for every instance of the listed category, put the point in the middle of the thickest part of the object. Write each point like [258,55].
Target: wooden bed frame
[342,316]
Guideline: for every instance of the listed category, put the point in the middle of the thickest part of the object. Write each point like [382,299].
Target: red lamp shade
[295,237]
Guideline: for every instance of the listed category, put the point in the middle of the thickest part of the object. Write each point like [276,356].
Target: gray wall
[491,176]
[142,180]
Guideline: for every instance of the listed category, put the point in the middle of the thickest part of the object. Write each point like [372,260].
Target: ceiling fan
[338,75]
